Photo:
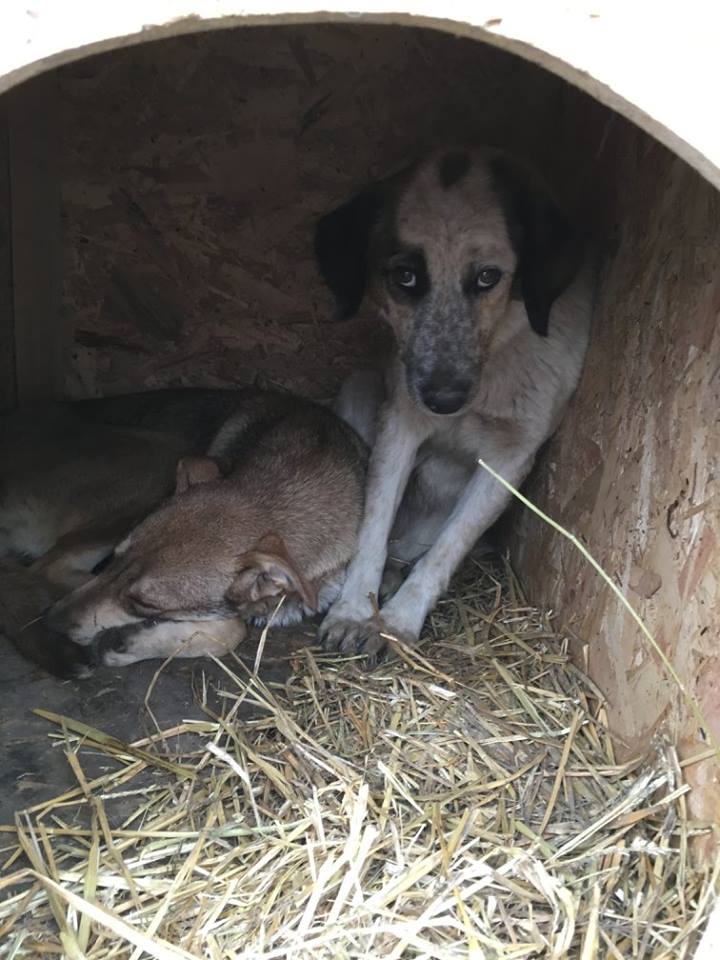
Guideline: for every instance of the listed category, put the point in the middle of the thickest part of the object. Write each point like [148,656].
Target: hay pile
[462,802]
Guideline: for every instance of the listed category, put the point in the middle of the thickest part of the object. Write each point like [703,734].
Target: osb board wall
[634,470]
[7,327]
[193,171]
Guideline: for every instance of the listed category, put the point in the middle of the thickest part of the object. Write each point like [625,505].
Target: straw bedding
[463,801]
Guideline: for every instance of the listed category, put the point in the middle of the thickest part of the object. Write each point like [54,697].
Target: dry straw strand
[667,663]
[462,801]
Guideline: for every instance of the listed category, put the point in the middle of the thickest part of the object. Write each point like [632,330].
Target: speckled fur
[427,500]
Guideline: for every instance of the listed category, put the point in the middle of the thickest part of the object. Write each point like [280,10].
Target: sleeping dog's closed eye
[142,606]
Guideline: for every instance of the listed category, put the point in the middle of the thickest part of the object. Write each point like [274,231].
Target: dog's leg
[392,579]
[178,639]
[360,402]
[479,507]
[391,463]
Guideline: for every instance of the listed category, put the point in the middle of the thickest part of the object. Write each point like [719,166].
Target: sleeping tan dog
[267,503]
[280,521]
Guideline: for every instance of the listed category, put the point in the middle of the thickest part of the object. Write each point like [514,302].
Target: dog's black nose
[448,398]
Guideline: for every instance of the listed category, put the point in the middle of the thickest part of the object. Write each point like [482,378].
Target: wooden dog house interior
[161,202]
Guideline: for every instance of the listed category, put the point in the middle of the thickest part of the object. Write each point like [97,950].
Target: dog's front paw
[368,637]
[339,621]
[340,634]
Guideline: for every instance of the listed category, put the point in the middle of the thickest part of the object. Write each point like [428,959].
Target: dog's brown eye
[488,278]
[404,277]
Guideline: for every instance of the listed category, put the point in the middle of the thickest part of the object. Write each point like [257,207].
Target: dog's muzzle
[445,398]
[54,620]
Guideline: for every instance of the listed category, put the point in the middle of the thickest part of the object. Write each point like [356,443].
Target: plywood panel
[35,218]
[634,470]
[194,170]
[7,323]
[640,59]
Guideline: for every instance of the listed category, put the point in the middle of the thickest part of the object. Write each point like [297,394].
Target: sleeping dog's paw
[368,637]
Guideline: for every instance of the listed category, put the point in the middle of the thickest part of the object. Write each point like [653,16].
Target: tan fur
[69,486]
[79,480]
[282,523]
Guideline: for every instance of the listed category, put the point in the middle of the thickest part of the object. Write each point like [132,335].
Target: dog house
[161,169]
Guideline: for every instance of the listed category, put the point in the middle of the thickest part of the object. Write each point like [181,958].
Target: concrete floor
[33,767]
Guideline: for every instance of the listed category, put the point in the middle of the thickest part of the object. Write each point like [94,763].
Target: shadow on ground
[33,767]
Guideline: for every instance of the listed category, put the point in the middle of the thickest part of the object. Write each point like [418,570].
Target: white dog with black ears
[484,284]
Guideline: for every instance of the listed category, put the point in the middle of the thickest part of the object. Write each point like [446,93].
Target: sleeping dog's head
[444,246]
[205,554]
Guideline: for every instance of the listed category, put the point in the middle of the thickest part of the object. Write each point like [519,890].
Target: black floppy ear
[341,248]
[549,250]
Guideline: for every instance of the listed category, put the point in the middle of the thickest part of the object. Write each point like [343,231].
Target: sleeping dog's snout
[444,396]
[54,618]
[63,617]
